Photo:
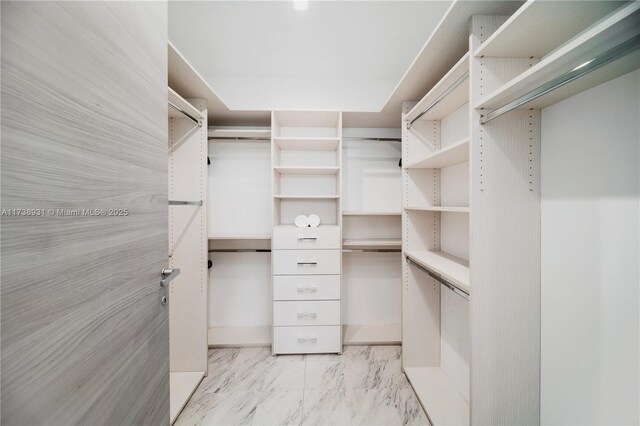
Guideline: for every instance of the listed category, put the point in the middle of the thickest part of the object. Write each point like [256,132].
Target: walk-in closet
[303,212]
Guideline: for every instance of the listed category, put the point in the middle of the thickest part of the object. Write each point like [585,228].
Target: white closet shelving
[371,236]
[471,202]
[187,293]
[240,229]
[437,288]
[306,155]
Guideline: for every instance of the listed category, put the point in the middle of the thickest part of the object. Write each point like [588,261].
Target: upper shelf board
[452,154]
[183,104]
[540,26]
[449,103]
[618,27]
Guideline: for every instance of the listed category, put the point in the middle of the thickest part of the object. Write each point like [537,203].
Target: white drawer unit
[310,312]
[294,238]
[307,339]
[306,287]
[306,262]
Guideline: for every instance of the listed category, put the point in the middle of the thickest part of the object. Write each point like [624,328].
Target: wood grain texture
[188,297]
[85,338]
[504,253]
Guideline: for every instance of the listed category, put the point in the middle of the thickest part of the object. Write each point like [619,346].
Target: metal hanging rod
[609,56]
[186,114]
[358,138]
[450,89]
[441,280]
[240,138]
[185,203]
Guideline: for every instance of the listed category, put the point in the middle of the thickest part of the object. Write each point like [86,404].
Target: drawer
[306,340]
[312,312]
[294,238]
[306,287]
[306,262]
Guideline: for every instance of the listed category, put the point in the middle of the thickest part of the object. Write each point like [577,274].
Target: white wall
[590,256]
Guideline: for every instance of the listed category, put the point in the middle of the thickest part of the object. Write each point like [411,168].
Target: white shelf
[307,197]
[451,268]
[376,334]
[221,337]
[452,154]
[372,243]
[440,209]
[454,100]
[538,27]
[182,384]
[307,144]
[307,170]
[183,104]
[240,237]
[606,34]
[439,397]
[371,213]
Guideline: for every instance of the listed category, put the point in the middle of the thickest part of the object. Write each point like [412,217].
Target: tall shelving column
[435,218]
[306,262]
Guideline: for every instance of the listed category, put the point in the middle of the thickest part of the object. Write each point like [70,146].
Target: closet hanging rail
[186,114]
[240,138]
[371,250]
[450,89]
[609,56]
[441,280]
[359,138]
[185,203]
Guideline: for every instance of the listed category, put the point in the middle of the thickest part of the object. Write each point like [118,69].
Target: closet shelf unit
[306,156]
[453,269]
[436,275]
[559,56]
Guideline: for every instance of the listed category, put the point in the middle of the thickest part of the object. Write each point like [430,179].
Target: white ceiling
[336,55]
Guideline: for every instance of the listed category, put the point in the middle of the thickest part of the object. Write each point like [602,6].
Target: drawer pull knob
[307,263]
[307,238]
[308,289]
[307,339]
[307,315]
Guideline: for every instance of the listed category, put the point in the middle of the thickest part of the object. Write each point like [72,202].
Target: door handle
[168,274]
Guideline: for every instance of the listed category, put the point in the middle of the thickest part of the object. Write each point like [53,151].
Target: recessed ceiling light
[300,4]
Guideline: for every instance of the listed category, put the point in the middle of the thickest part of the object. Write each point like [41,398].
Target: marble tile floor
[249,386]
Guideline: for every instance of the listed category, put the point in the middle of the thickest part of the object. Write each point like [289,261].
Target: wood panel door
[85,337]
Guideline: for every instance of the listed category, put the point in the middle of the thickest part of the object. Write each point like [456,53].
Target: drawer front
[294,238]
[306,262]
[306,340]
[320,312]
[306,287]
